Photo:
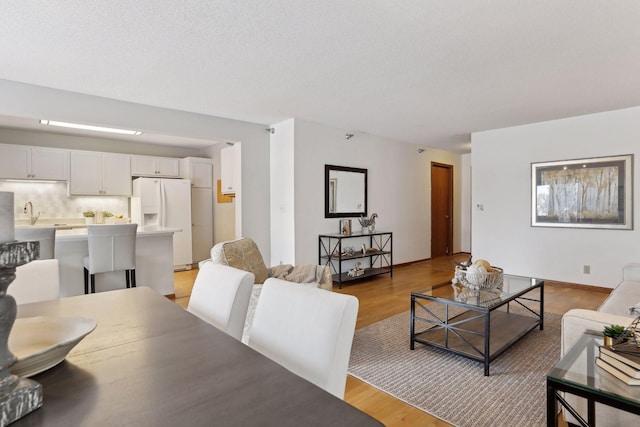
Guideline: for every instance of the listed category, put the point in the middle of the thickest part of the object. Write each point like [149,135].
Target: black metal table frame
[554,388]
[484,355]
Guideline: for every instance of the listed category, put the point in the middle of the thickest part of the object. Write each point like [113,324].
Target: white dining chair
[45,235]
[111,248]
[307,330]
[220,296]
[36,281]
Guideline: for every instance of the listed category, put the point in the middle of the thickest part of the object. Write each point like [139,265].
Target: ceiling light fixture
[89,127]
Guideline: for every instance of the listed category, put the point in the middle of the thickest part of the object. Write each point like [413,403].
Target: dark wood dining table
[151,363]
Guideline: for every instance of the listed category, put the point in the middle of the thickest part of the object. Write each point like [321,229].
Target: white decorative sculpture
[18,396]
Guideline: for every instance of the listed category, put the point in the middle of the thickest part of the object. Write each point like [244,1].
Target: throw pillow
[244,254]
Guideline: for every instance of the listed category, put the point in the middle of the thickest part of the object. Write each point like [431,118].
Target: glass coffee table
[577,374]
[477,324]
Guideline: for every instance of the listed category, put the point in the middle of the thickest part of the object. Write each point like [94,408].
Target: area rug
[454,388]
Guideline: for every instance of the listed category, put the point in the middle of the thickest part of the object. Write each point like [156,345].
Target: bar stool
[45,235]
[111,248]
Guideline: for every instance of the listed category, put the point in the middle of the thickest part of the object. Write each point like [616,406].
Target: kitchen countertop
[63,223]
[81,233]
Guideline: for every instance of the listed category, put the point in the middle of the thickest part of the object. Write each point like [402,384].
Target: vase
[89,220]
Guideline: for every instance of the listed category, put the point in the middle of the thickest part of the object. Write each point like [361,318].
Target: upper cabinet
[230,169]
[40,163]
[99,174]
[155,166]
[198,170]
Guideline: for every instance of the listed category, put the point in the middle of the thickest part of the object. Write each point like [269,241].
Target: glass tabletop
[578,369]
[512,287]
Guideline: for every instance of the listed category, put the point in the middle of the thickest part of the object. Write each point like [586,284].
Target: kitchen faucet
[32,219]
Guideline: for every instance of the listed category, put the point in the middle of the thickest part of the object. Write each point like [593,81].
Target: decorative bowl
[40,343]
[477,281]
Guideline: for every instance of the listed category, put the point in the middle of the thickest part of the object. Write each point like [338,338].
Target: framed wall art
[583,193]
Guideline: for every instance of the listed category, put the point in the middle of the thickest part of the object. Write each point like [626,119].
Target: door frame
[449,205]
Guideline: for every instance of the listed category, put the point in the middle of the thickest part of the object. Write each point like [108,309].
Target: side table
[577,374]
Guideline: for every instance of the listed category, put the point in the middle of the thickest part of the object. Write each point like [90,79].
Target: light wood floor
[382,297]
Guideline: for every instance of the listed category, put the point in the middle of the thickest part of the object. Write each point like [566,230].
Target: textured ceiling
[426,72]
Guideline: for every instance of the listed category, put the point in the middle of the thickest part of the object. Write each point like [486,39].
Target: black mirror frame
[327,214]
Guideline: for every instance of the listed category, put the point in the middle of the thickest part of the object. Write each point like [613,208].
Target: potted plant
[612,333]
[108,217]
[89,216]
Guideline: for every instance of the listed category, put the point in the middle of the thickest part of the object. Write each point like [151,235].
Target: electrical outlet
[586,269]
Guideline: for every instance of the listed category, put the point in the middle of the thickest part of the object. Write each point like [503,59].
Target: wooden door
[441,210]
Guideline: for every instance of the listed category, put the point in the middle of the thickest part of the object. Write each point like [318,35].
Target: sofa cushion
[242,254]
[626,294]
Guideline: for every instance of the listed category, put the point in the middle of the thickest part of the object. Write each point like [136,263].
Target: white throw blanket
[308,273]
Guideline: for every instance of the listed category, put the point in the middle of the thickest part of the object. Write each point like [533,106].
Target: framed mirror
[345,192]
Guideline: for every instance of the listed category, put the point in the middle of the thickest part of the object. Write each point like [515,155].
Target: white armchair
[245,255]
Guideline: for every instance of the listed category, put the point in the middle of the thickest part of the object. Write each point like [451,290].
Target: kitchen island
[154,261]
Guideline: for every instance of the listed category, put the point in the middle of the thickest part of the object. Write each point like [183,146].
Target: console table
[379,254]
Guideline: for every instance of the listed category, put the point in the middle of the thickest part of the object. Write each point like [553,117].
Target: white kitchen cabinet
[167,167]
[201,223]
[99,174]
[40,163]
[199,170]
[230,169]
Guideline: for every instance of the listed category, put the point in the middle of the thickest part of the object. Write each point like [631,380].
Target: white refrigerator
[166,203]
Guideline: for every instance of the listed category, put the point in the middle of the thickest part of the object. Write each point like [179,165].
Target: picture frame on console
[345,227]
[583,193]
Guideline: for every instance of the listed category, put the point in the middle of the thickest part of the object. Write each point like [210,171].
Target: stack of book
[623,362]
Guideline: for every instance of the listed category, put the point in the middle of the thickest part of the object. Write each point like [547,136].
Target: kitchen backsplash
[51,200]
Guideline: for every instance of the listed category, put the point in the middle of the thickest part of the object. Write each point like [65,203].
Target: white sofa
[614,310]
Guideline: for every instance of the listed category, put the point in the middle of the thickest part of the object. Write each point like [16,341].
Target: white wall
[398,181]
[501,175]
[36,102]
[465,203]
[283,226]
